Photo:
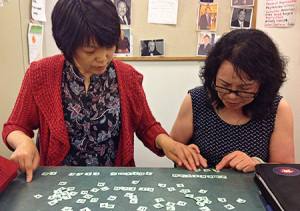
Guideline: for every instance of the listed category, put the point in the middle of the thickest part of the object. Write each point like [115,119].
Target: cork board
[181,39]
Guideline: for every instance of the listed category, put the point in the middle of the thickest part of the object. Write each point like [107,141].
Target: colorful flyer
[35,42]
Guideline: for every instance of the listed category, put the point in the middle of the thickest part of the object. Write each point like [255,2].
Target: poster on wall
[35,42]
[280,13]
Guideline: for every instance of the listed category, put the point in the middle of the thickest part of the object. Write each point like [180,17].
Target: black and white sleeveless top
[216,138]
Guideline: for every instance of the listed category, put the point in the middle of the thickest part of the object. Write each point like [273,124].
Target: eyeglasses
[238,93]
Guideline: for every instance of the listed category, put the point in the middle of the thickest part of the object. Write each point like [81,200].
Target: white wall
[166,84]
[288,40]
[12,58]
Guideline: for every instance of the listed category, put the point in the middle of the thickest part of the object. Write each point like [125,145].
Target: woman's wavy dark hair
[76,22]
[253,52]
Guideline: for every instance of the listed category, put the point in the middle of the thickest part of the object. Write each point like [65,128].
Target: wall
[289,44]
[12,57]
[165,83]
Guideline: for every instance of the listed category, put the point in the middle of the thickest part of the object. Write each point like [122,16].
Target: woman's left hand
[178,152]
[238,160]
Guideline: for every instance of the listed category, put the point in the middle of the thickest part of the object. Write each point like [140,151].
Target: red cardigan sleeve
[24,116]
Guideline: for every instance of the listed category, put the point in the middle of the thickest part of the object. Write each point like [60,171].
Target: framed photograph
[205,43]
[124,11]
[207,17]
[152,47]
[242,3]
[241,18]
[125,47]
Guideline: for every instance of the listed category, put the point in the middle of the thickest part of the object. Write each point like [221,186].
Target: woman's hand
[202,160]
[188,156]
[25,154]
[238,160]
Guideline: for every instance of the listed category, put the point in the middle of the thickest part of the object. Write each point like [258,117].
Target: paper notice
[38,10]
[280,13]
[163,11]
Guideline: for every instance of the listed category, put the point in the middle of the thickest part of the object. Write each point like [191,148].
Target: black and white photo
[241,18]
[124,11]
[152,47]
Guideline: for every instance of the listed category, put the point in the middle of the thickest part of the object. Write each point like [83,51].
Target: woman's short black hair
[77,22]
[253,52]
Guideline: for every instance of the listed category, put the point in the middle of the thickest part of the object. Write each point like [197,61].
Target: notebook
[8,171]
[279,185]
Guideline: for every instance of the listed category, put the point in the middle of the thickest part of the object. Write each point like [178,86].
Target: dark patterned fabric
[92,119]
[216,138]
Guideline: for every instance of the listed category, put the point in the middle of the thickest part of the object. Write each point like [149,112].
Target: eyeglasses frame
[234,91]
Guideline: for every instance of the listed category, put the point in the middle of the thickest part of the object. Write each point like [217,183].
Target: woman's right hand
[25,154]
[202,160]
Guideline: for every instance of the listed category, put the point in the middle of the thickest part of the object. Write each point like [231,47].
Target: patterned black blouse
[93,119]
[216,138]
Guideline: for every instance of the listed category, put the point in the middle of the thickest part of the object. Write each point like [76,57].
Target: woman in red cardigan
[85,105]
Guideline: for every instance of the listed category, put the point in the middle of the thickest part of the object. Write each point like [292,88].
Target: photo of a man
[124,43]
[123,9]
[207,17]
[152,47]
[205,43]
[241,18]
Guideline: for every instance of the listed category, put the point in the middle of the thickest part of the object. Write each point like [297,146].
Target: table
[114,188]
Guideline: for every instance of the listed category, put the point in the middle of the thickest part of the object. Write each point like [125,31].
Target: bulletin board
[180,39]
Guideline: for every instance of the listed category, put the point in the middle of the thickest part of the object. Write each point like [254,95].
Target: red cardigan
[39,106]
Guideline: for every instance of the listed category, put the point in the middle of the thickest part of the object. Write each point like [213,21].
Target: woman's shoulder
[59,58]
[122,65]
[126,72]
[45,72]
[199,97]
[45,65]
[197,92]
[282,105]
[277,100]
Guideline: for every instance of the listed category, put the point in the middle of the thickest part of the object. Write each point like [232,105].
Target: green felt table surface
[227,183]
